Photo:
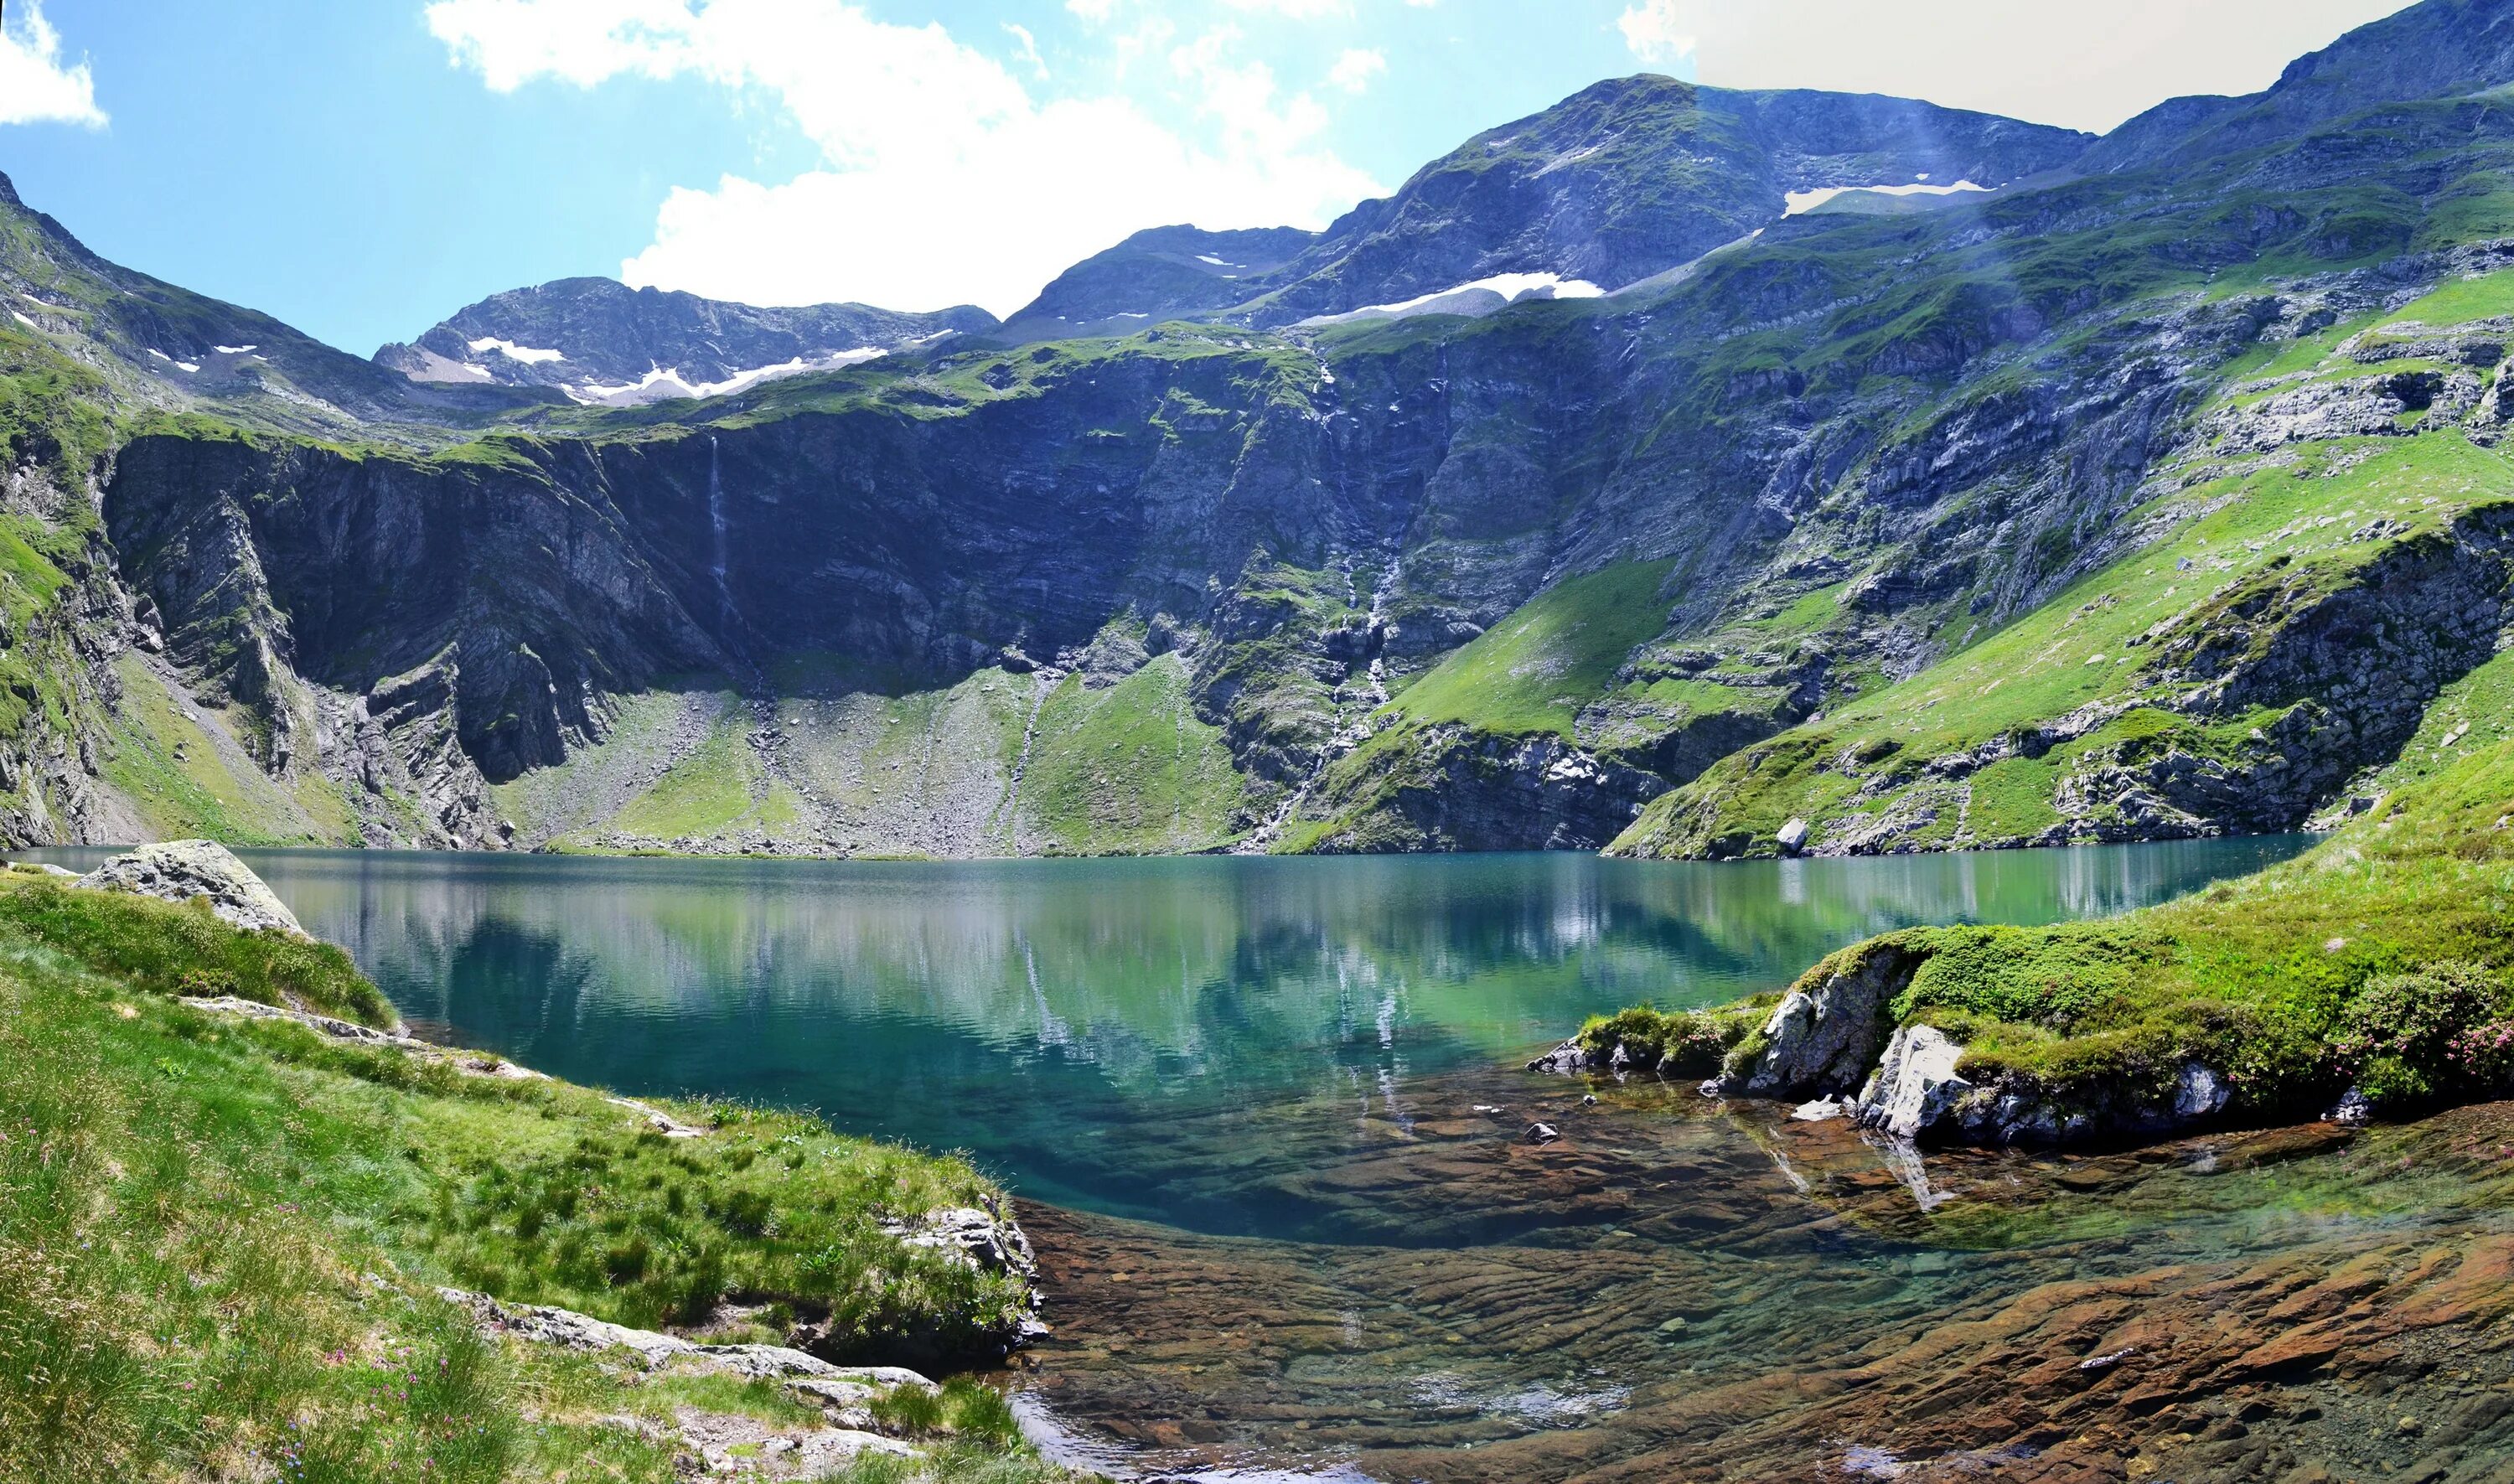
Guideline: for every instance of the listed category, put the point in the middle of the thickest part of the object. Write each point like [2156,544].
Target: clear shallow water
[1096,1033]
[1269,1123]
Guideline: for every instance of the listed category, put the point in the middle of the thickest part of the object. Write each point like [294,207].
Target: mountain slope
[1429,583]
[601,341]
[1623,180]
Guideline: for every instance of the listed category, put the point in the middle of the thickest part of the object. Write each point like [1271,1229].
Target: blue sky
[362,168]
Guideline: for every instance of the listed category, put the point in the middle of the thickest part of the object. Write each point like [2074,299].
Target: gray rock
[1916,1084]
[1568,1059]
[1792,835]
[982,1238]
[2198,1092]
[1824,1033]
[179,870]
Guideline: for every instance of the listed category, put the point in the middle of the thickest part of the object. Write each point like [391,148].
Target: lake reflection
[1091,1029]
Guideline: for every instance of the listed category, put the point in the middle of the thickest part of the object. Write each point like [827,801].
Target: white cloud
[943,180]
[1354,70]
[1093,10]
[1029,52]
[2085,67]
[34,86]
[1297,10]
[1656,34]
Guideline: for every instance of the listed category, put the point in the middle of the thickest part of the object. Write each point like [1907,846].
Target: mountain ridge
[1420,582]
[601,343]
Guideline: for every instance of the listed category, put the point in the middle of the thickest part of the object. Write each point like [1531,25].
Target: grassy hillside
[2379,960]
[2260,523]
[219,1238]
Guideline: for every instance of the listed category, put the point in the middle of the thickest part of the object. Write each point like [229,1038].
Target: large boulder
[179,870]
[1824,1035]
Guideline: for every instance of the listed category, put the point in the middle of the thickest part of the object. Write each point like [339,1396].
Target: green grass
[219,1238]
[2484,295]
[1533,671]
[701,794]
[2379,959]
[1129,769]
[178,777]
[164,948]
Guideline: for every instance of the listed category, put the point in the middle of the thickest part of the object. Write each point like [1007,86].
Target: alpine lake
[1268,1125]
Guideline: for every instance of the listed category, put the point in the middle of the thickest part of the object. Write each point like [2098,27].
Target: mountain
[2443,49]
[602,342]
[1623,180]
[2124,501]
[1176,270]
[161,343]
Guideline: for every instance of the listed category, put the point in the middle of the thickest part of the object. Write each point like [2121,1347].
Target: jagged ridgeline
[1688,469]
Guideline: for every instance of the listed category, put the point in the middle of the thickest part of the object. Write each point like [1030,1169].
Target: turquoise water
[1267,1117]
[1098,1032]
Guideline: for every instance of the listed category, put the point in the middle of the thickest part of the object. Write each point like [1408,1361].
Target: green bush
[2409,1037]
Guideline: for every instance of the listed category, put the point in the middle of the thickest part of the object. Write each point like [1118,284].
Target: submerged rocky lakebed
[1272,1148]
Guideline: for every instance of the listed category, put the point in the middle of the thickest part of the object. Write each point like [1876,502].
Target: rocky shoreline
[1831,1046]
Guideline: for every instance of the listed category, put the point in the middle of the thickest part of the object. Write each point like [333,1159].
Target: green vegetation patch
[703,793]
[1534,670]
[2379,960]
[2239,554]
[219,1238]
[166,947]
[1128,768]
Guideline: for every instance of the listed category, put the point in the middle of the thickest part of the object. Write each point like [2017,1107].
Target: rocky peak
[602,342]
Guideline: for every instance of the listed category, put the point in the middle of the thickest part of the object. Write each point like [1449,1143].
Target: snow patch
[514,352]
[1800,202]
[1217,263]
[664,382]
[1479,297]
[23,320]
[235,350]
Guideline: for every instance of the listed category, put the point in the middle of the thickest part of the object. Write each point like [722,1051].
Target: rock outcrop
[1824,1035]
[182,870]
[1914,1085]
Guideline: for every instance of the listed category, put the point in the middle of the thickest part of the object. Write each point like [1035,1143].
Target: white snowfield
[663,383]
[235,350]
[1800,202]
[1477,297]
[514,352]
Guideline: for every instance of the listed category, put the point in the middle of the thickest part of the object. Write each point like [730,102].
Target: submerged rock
[179,870]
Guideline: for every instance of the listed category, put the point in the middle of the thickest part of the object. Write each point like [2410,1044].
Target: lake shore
[2365,979]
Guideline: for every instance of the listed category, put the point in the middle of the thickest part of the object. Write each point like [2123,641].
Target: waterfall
[715,517]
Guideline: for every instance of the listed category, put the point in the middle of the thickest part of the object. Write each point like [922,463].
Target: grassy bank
[2379,960]
[220,1239]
